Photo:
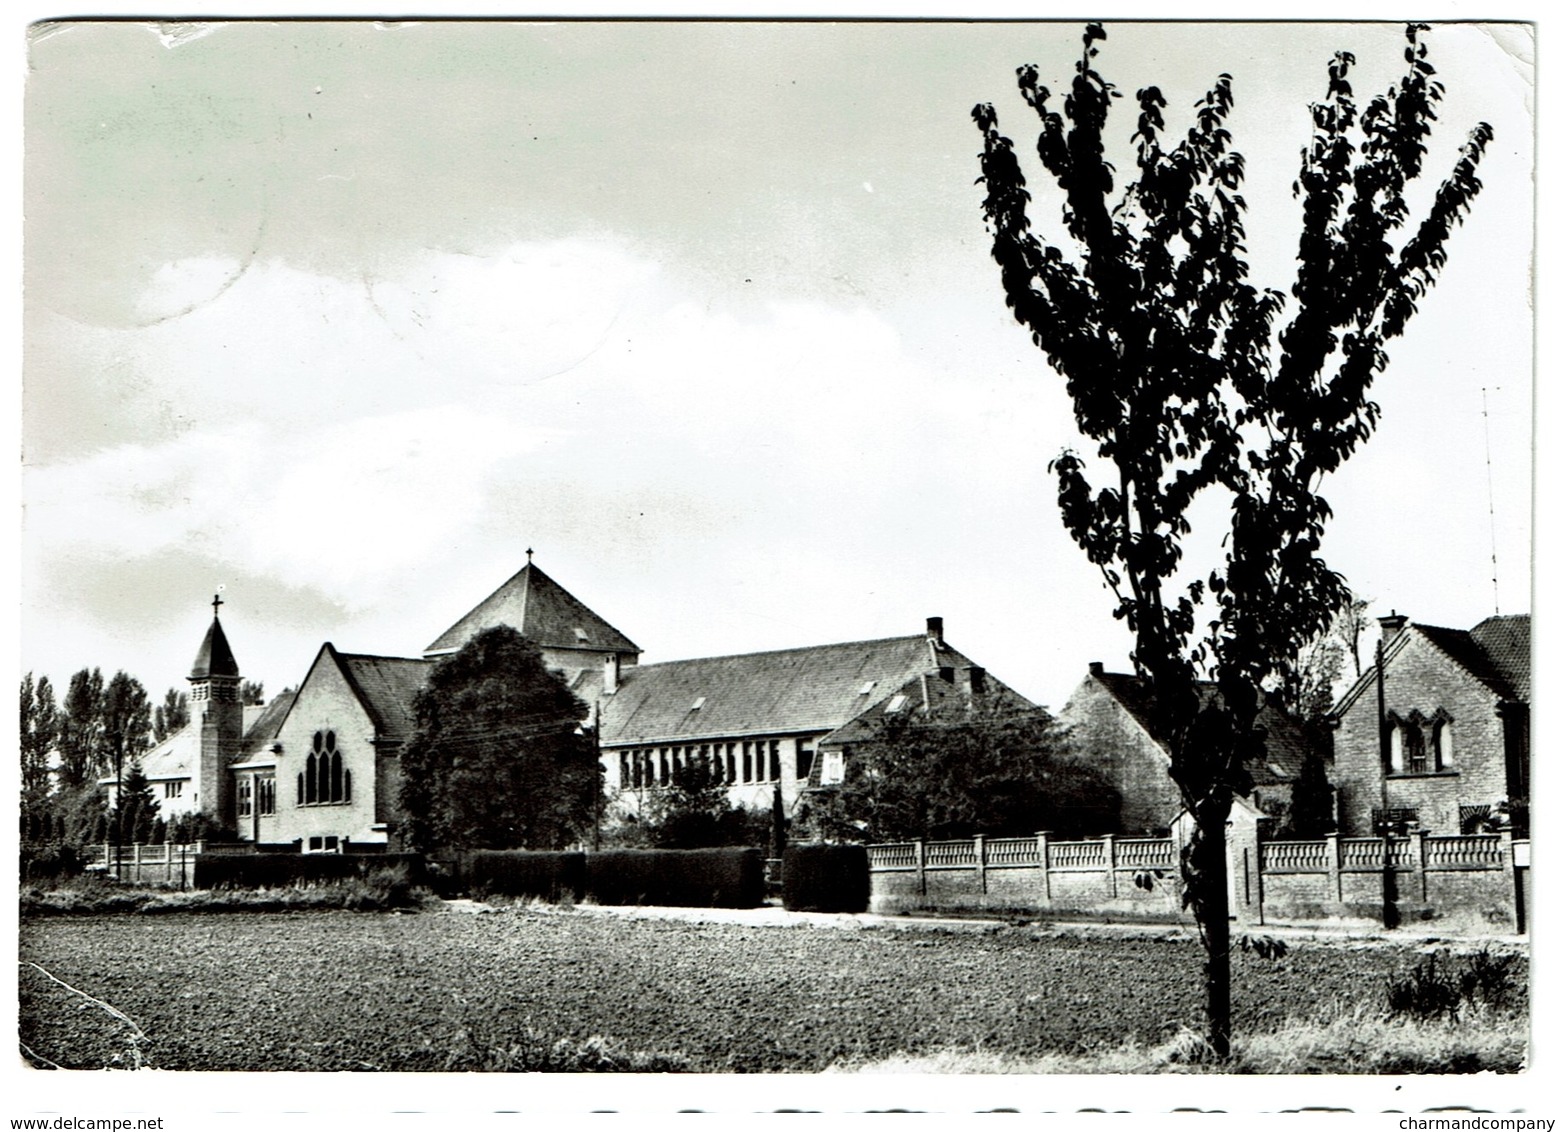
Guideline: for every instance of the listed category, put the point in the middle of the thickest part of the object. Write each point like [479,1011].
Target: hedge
[826,878]
[681,878]
[521,872]
[280,870]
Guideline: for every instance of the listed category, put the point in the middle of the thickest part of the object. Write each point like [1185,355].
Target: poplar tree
[1187,378]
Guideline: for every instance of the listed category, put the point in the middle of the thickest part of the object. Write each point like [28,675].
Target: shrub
[691,878]
[279,870]
[50,861]
[826,878]
[520,872]
[1433,988]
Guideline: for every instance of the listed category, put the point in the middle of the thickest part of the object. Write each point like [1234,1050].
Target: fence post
[136,860]
[1044,862]
[1334,868]
[1519,881]
[1416,857]
[919,862]
[1109,862]
[979,862]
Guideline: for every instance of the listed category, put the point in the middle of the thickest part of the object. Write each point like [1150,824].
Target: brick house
[1457,727]
[1111,724]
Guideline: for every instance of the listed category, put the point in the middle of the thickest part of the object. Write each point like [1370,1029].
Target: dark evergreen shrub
[681,878]
[826,878]
[521,872]
[280,870]
[49,861]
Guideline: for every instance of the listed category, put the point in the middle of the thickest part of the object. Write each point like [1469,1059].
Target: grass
[1350,1043]
[382,890]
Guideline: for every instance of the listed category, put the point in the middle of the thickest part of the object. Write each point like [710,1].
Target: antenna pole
[1489,479]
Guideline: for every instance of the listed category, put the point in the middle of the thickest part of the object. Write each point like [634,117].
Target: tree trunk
[1206,869]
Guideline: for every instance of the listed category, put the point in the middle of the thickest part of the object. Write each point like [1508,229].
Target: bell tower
[219,719]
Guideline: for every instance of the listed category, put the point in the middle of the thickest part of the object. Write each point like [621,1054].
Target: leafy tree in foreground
[252,693]
[996,769]
[1185,377]
[499,760]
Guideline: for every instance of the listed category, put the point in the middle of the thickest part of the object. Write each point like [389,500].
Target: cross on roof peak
[217,600]
[530,555]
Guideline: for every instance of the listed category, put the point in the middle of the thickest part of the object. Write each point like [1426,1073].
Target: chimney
[611,673]
[1095,668]
[948,673]
[975,680]
[1392,625]
[935,629]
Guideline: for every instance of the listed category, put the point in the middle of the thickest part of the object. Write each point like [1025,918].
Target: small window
[896,704]
[172,789]
[868,688]
[831,767]
[700,700]
[581,634]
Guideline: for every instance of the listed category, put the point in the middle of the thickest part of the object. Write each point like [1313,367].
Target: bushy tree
[80,736]
[35,738]
[499,759]
[694,812]
[126,722]
[1308,691]
[252,693]
[1311,801]
[1186,378]
[171,715]
[996,769]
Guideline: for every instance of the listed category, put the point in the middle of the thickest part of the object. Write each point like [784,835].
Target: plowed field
[338,990]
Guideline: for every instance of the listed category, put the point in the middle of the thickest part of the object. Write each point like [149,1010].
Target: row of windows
[1419,745]
[324,779]
[729,763]
[259,793]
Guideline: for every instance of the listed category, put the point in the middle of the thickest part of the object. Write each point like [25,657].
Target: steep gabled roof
[539,608]
[386,686]
[262,725]
[1287,741]
[1495,652]
[214,658]
[1507,644]
[818,688]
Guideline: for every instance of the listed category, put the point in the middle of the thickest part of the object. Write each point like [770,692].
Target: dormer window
[699,701]
[581,633]
[896,704]
[868,688]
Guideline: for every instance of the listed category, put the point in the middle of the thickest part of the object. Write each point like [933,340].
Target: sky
[343,317]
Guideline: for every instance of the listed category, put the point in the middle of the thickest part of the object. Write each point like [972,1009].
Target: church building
[318,769]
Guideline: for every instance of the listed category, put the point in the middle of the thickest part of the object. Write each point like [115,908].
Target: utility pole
[1384,746]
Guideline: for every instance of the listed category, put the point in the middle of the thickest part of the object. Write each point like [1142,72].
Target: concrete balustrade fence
[168,863]
[1470,882]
